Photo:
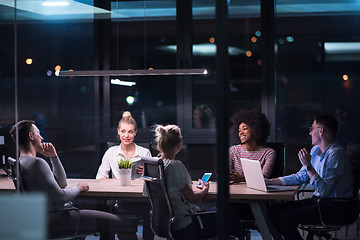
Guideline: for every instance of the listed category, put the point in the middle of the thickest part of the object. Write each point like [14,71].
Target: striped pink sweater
[265,155]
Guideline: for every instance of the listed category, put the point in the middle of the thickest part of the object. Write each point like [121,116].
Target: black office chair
[161,211]
[353,152]
[280,162]
[13,174]
[324,230]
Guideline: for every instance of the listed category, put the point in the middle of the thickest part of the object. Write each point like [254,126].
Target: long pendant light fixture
[130,72]
[140,72]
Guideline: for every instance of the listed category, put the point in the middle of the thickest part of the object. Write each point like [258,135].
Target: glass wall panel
[63,108]
[244,76]
[141,43]
[7,92]
[317,55]
[317,72]
[244,58]
[151,101]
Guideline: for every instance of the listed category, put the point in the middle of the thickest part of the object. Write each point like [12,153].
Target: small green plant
[125,163]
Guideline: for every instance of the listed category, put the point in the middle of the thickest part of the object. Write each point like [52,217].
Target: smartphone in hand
[204,178]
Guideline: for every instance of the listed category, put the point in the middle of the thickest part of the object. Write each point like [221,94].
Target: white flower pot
[125,177]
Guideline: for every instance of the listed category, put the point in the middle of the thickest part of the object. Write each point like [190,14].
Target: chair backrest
[161,212]
[353,152]
[14,176]
[280,163]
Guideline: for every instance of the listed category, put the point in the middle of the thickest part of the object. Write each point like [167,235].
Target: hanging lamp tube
[110,73]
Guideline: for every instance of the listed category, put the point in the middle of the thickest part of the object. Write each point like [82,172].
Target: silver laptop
[255,179]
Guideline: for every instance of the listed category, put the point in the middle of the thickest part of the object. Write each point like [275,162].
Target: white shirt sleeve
[104,169]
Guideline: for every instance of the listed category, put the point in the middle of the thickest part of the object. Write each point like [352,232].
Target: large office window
[142,43]
[316,71]
[316,57]
[62,107]
[244,59]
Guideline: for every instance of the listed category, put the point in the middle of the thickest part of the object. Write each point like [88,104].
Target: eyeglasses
[312,128]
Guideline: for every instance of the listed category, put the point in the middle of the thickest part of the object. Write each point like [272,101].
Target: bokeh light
[254,39]
[211,40]
[57,68]
[345,77]
[130,100]
[290,39]
[248,53]
[29,61]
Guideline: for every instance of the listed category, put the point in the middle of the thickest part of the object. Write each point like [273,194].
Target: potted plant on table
[125,166]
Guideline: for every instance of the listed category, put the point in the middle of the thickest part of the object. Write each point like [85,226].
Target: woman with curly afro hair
[252,129]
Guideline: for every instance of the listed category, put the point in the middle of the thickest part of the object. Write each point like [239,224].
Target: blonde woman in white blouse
[127,130]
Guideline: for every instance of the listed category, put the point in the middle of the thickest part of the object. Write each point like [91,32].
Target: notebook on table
[255,179]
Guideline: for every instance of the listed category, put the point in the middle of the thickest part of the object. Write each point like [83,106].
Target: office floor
[254,236]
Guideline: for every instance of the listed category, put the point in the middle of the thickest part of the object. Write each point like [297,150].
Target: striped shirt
[265,155]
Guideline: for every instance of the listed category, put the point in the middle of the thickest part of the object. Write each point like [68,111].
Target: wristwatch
[309,167]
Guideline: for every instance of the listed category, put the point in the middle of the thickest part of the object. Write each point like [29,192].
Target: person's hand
[304,157]
[48,150]
[84,187]
[204,187]
[140,170]
[234,176]
[273,181]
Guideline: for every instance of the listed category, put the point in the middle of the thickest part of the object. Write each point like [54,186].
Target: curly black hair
[257,121]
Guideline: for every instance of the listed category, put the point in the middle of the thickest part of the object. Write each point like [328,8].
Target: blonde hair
[168,139]
[127,118]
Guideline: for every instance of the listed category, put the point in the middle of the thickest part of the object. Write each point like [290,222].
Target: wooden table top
[111,188]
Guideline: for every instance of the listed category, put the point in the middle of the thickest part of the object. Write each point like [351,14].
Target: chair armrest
[64,210]
[149,179]
[200,213]
[303,188]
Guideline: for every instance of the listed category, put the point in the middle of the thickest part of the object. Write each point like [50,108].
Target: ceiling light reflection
[55,3]
[204,49]
[122,83]
[342,47]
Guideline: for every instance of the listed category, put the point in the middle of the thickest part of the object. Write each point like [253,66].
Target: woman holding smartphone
[181,194]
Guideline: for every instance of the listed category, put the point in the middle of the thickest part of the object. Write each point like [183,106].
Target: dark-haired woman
[252,129]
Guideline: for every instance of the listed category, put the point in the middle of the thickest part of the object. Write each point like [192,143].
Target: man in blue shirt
[328,170]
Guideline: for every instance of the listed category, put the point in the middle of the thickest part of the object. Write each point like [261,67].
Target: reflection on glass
[203,117]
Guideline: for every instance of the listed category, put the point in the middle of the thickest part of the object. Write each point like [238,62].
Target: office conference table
[110,188]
